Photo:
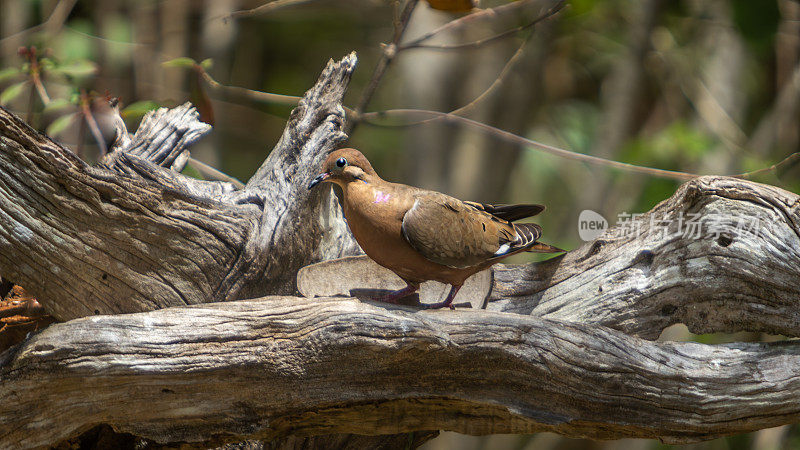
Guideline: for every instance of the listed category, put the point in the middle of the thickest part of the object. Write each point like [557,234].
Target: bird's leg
[448,301]
[394,296]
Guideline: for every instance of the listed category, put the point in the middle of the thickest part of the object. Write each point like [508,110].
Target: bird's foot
[447,302]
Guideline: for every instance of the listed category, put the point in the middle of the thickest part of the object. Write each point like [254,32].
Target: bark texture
[133,235]
[564,345]
[720,255]
[288,366]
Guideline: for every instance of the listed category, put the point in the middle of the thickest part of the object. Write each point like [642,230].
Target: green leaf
[59,125]
[207,63]
[180,62]
[7,74]
[139,109]
[58,104]
[46,64]
[12,92]
[80,68]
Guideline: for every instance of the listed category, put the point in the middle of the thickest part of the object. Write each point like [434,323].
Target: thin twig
[81,138]
[31,101]
[36,76]
[369,118]
[714,114]
[258,96]
[37,82]
[263,9]
[213,173]
[60,13]
[389,52]
[463,21]
[781,113]
[93,127]
[107,41]
[519,140]
[494,86]
[794,157]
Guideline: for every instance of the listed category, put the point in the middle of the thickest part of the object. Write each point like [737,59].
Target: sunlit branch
[250,94]
[212,173]
[264,9]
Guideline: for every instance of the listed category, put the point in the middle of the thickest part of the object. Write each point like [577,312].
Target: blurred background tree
[710,87]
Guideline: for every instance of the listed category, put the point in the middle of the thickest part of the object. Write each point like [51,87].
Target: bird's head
[344,166]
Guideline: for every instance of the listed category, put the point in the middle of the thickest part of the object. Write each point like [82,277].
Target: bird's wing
[453,233]
[510,213]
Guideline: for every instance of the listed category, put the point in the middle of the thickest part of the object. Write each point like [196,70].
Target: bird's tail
[541,247]
[529,233]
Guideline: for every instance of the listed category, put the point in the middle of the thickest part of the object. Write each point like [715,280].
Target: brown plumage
[424,235]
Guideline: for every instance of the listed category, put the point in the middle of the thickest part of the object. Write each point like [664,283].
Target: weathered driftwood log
[289,366]
[134,236]
[720,255]
[86,240]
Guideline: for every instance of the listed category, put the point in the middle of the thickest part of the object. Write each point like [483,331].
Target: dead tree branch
[290,366]
[720,255]
[283,366]
[562,348]
[89,240]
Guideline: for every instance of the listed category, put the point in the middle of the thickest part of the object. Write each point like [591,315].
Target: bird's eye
[341,162]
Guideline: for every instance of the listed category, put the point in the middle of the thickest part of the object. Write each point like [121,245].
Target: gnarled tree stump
[136,236]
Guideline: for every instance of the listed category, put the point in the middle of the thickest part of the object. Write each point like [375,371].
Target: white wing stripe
[502,250]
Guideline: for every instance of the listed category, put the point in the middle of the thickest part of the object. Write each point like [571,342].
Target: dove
[423,235]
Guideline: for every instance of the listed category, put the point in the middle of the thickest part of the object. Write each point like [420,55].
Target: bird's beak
[320,178]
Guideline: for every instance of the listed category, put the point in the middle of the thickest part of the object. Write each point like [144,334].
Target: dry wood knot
[644,258]
[724,240]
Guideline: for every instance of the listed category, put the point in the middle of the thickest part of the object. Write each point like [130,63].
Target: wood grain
[728,260]
[286,366]
[564,346]
[133,235]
